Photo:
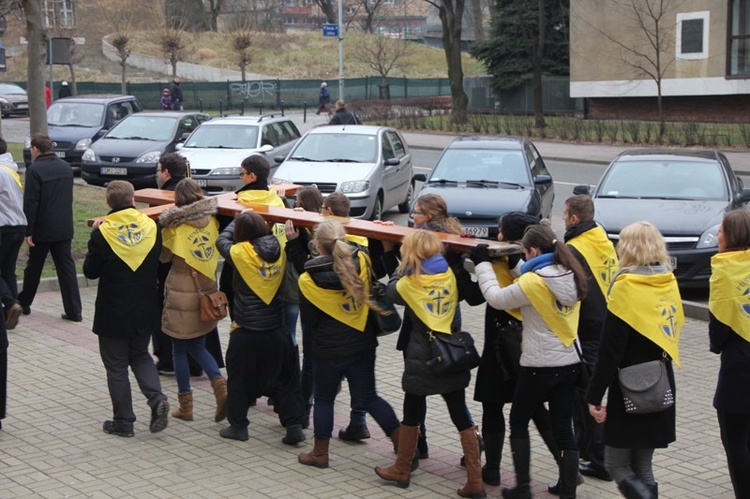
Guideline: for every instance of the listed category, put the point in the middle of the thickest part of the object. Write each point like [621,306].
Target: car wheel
[406,205]
[377,210]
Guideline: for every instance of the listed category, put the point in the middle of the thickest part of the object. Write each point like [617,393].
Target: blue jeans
[291,312]
[360,373]
[196,347]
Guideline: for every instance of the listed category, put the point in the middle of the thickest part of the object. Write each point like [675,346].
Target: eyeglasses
[243,174]
[417,213]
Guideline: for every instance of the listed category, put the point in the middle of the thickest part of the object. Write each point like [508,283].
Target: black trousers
[66,275]
[10,245]
[117,355]
[3,367]
[735,435]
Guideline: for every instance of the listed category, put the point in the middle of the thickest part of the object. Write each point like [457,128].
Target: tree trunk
[660,110]
[36,57]
[73,79]
[123,87]
[451,21]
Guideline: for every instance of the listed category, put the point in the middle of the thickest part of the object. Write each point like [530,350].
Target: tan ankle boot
[400,471]
[318,457]
[219,385]
[470,445]
[185,410]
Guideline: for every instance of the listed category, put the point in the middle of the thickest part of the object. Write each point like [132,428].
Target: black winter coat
[48,199]
[127,302]
[622,346]
[332,339]
[733,388]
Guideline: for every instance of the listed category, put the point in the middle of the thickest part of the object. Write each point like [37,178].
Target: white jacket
[539,346]
[11,196]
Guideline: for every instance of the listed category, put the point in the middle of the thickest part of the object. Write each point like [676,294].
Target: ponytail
[542,237]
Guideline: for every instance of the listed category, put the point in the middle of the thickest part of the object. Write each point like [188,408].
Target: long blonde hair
[435,207]
[418,245]
[641,244]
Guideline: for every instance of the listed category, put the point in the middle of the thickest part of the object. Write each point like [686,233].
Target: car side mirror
[419,177]
[179,146]
[102,132]
[542,179]
[183,137]
[392,162]
[582,189]
[265,148]
[744,195]
[279,159]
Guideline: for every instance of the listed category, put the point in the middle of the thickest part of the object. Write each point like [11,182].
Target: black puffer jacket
[250,312]
[332,339]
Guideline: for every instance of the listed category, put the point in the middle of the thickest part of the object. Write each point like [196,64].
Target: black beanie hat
[513,225]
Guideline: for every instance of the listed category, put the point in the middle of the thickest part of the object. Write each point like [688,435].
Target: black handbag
[645,387]
[452,352]
[390,321]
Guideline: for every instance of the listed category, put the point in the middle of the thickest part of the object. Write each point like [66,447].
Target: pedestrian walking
[342,116]
[166,100]
[324,99]
[64,90]
[175,92]
[12,232]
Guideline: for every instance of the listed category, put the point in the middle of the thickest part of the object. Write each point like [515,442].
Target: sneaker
[111,428]
[294,435]
[354,433]
[235,433]
[159,419]
[12,315]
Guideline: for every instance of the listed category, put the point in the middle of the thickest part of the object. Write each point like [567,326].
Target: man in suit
[123,253]
[48,205]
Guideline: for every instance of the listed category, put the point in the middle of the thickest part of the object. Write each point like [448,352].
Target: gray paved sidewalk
[52,445]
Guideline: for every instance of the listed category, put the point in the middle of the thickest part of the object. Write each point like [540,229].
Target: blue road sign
[331,30]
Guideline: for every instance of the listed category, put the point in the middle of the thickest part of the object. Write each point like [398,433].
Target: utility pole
[341,49]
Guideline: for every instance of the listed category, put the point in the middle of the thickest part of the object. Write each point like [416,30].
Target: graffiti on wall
[253,89]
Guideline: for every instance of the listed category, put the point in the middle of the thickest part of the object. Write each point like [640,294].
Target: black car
[683,193]
[483,178]
[13,100]
[132,148]
[74,123]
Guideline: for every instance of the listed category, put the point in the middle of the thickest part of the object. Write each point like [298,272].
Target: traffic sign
[331,30]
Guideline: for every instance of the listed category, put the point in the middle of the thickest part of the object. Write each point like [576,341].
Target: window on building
[692,35]
[739,38]
[59,13]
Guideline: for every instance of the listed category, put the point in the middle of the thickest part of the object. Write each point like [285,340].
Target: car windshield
[224,137]
[503,166]
[339,147]
[75,114]
[660,179]
[8,88]
[157,128]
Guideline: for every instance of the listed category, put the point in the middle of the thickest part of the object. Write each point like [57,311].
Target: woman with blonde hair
[643,323]
[729,333]
[423,271]
[189,235]
[431,213]
[337,313]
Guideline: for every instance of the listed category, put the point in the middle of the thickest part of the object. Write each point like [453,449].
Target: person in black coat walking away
[64,90]
[729,332]
[123,253]
[344,117]
[175,91]
[643,323]
[48,205]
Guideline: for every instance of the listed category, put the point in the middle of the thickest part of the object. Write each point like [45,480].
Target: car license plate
[673,262]
[201,182]
[477,231]
[111,170]
[60,154]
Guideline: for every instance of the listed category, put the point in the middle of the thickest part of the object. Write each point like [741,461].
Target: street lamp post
[341,49]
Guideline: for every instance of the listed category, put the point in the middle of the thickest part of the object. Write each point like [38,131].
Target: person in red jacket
[48,95]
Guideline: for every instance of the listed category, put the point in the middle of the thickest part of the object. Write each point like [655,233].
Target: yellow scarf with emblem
[433,298]
[264,278]
[358,240]
[561,319]
[729,299]
[505,279]
[338,303]
[15,175]
[196,245]
[269,198]
[650,304]
[130,234]
[600,255]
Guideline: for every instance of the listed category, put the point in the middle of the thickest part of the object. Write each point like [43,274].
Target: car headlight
[27,143]
[149,157]
[708,238]
[89,155]
[354,186]
[232,171]
[277,180]
[4,101]
[83,144]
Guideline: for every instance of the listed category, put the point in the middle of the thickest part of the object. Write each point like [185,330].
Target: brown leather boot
[318,457]
[185,410]
[219,385]
[470,444]
[400,471]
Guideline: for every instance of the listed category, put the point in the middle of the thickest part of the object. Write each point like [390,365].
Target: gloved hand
[480,254]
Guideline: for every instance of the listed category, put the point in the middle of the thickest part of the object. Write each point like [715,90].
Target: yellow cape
[433,298]
[338,303]
[15,175]
[264,278]
[130,234]
[650,304]
[729,298]
[358,240]
[505,279]
[269,198]
[600,255]
[196,245]
[561,319]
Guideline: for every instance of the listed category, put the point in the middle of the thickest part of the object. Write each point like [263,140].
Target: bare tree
[214,9]
[122,20]
[328,7]
[241,42]
[476,14]
[172,36]
[382,55]
[37,45]
[370,8]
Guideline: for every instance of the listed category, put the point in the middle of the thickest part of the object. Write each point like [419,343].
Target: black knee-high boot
[493,451]
[521,449]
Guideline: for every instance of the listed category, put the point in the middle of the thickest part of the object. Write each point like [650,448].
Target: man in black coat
[48,206]
[344,117]
[123,253]
[176,93]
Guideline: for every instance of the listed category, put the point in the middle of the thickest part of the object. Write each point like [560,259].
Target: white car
[370,164]
[215,149]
